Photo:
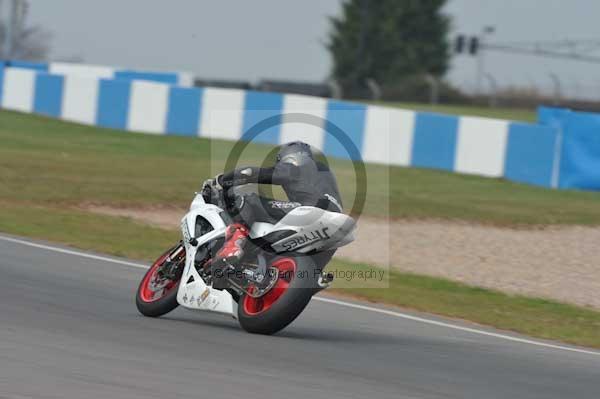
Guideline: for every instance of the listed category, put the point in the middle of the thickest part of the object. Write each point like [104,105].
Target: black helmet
[297,153]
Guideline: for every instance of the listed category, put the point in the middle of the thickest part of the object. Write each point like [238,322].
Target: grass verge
[531,316]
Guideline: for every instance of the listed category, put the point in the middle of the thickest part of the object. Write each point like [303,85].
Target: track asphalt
[69,329]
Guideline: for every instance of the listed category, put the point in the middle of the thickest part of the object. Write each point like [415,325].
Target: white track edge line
[456,327]
[327,300]
[71,252]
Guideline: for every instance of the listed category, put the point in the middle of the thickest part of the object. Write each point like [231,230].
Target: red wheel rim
[151,291]
[287,271]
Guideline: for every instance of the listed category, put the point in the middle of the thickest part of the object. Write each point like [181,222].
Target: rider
[305,180]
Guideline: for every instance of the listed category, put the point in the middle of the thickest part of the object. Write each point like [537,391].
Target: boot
[233,249]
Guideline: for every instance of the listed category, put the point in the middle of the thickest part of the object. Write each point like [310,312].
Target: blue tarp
[580,149]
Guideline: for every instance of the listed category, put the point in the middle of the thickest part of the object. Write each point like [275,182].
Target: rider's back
[309,184]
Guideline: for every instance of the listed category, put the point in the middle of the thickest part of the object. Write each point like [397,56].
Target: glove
[208,184]
[217,181]
[206,190]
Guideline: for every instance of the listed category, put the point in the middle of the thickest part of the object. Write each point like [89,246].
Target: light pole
[493,102]
[3,23]
[14,26]
[485,33]
[557,88]
[10,29]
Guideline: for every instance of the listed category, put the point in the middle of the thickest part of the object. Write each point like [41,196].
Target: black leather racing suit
[312,184]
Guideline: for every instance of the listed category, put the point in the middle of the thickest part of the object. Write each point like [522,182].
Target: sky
[284,39]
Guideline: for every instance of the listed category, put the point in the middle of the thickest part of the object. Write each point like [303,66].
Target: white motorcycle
[280,272]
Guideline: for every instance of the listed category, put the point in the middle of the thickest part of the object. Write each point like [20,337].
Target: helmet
[296,153]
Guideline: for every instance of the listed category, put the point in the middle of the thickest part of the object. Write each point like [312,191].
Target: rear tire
[286,307]
[164,304]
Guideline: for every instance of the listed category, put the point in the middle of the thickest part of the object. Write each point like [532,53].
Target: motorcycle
[282,267]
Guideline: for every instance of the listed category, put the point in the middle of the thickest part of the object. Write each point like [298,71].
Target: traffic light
[464,44]
[474,45]
[459,44]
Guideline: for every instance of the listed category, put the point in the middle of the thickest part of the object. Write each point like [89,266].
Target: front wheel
[297,279]
[157,293]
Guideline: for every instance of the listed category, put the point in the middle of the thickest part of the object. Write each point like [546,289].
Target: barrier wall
[495,148]
[184,79]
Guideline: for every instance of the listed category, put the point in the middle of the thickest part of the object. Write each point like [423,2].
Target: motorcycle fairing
[316,229]
[193,292]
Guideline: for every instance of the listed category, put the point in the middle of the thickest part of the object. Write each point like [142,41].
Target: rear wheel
[270,313]
[157,293]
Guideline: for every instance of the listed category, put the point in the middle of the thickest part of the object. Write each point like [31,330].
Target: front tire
[285,301]
[154,300]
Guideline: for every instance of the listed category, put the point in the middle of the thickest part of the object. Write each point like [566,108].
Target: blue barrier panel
[183,117]
[530,154]
[48,94]
[113,103]
[38,66]
[434,141]
[580,158]
[351,119]
[2,65]
[550,116]
[259,107]
[163,77]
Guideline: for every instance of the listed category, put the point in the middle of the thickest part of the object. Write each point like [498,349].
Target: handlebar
[211,193]
[214,194]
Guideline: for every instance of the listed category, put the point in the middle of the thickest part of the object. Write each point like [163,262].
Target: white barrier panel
[186,79]
[89,71]
[310,134]
[19,89]
[80,99]
[389,136]
[222,113]
[481,146]
[148,106]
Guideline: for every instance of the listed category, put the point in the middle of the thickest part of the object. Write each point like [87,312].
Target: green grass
[49,168]
[112,235]
[515,114]
[51,163]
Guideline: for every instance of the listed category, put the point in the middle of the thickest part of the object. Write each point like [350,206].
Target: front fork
[174,263]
